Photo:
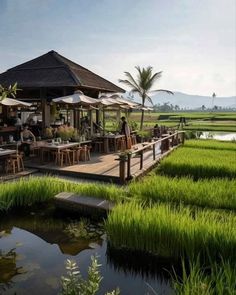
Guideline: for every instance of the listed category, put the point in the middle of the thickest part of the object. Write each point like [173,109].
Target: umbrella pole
[103,114]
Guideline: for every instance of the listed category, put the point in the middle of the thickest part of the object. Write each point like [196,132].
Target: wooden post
[141,159]
[162,146]
[154,151]
[45,108]
[182,137]
[129,166]
[122,169]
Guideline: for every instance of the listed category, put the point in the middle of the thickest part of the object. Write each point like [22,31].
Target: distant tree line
[169,107]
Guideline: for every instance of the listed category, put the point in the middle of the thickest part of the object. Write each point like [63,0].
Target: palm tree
[143,84]
[11,91]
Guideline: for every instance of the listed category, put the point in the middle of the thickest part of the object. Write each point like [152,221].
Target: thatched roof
[54,70]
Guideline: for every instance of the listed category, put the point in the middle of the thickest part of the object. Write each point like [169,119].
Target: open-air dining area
[65,129]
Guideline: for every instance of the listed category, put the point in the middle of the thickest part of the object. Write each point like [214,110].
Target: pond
[218,135]
[35,243]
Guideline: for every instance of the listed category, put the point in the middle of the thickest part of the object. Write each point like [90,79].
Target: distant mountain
[190,101]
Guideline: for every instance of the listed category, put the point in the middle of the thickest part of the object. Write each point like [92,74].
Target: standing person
[126,131]
[18,126]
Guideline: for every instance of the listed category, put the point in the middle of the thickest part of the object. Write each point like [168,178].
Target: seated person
[26,138]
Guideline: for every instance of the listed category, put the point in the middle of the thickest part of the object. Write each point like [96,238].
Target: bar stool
[121,143]
[133,139]
[77,151]
[14,163]
[67,156]
[99,146]
[85,153]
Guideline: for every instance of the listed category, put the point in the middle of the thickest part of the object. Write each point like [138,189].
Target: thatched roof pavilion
[53,70]
[52,75]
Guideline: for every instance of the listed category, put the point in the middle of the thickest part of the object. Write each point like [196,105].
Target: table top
[113,136]
[62,145]
[6,152]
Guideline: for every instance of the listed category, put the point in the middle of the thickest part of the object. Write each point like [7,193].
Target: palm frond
[131,79]
[163,90]
[149,99]
[129,84]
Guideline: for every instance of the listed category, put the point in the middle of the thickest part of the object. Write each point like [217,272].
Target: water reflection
[218,136]
[35,244]
[141,264]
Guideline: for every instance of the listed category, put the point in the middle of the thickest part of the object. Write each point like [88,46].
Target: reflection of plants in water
[8,268]
[74,284]
[83,229]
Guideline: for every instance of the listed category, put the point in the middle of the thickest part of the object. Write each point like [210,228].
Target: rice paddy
[172,232]
[200,163]
[211,193]
[26,192]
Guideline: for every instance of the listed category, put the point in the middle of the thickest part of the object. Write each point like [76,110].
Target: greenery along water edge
[26,192]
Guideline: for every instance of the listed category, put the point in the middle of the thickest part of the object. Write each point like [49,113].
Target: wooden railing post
[122,169]
[182,137]
[129,166]
[141,159]
[154,151]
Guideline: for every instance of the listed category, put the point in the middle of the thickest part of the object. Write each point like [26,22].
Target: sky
[192,41]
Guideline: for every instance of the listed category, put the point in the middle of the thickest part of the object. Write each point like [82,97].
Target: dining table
[58,147]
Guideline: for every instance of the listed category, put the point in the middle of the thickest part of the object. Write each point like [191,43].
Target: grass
[199,163]
[41,189]
[172,232]
[213,193]
[211,144]
[210,280]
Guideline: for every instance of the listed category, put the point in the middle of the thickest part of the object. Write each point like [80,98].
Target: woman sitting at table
[27,137]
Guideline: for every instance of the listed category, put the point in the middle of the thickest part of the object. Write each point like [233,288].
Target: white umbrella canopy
[14,102]
[77,98]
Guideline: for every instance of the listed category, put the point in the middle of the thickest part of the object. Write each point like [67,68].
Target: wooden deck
[102,167]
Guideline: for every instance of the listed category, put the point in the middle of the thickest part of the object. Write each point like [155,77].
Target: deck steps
[82,204]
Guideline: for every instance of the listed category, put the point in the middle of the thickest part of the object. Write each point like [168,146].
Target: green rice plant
[172,232]
[217,278]
[41,189]
[201,127]
[199,163]
[210,144]
[213,193]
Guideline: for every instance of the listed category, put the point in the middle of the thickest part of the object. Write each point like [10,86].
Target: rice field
[200,163]
[210,144]
[211,193]
[172,232]
[215,278]
[26,192]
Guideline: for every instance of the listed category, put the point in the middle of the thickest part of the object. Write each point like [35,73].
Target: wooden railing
[166,143]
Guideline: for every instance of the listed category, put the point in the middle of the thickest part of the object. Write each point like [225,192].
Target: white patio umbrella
[77,98]
[14,102]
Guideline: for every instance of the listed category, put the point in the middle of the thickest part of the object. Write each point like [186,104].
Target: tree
[143,84]
[213,98]
[11,91]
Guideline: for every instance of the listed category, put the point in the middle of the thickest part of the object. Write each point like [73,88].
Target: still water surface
[34,245]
